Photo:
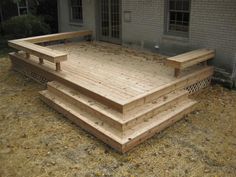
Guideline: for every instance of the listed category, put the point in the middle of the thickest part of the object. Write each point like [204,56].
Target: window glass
[178,13]
[22,6]
[76,10]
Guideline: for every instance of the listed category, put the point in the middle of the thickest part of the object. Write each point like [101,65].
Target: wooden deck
[117,73]
[111,91]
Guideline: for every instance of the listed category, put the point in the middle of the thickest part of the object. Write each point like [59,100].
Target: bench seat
[51,55]
[30,47]
[189,59]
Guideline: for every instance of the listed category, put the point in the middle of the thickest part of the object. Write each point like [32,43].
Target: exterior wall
[212,25]
[89,16]
[145,27]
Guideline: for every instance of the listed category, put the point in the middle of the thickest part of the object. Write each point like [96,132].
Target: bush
[25,26]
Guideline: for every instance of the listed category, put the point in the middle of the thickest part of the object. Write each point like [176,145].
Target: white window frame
[23,7]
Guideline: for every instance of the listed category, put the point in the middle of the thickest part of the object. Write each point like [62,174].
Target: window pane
[22,3]
[186,5]
[172,15]
[76,10]
[105,17]
[74,2]
[115,19]
[179,4]
[186,17]
[172,5]
[179,15]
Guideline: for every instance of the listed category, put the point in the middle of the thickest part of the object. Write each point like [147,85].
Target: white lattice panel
[199,85]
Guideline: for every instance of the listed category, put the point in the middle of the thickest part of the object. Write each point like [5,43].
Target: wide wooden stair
[121,130]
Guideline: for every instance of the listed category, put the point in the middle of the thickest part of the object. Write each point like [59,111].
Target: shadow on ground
[37,141]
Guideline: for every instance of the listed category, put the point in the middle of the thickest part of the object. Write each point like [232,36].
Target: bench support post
[58,66]
[27,55]
[41,61]
[177,72]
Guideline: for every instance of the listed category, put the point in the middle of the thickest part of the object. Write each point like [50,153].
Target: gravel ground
[37,141]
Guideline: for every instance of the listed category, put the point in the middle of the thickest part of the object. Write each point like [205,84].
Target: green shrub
[25,26]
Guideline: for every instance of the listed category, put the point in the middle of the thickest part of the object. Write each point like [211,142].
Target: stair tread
[107,130]
[115,115]
[157,120]
[155,104]
[87,100]
[80,114]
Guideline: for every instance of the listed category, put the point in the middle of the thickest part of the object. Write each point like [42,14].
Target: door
[110,20]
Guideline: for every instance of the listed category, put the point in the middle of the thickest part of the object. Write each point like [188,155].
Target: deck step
[147,129]
[121,140]
[87,121]
[150,109]
[114,118]
[88,104]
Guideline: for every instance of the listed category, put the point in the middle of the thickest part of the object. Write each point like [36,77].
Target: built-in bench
[30,47]
[53,56]
[189,59]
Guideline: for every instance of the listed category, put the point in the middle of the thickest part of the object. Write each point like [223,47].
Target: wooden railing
[30,47]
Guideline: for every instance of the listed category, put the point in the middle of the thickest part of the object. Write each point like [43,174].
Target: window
[178,16]
[76,11]
[22,6]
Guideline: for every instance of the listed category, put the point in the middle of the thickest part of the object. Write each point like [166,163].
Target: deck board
[116,72]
